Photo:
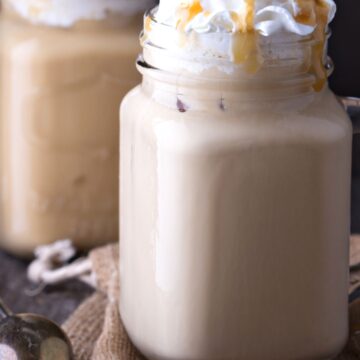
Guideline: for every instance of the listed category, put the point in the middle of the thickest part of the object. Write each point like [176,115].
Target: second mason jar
[65,66]
[235,200]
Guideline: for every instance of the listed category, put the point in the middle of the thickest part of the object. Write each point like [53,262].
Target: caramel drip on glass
[147,24]
[318,67]
[317,17]
[244,49]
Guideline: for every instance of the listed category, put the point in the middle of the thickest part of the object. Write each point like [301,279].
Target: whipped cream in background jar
[235,185]
[65,66]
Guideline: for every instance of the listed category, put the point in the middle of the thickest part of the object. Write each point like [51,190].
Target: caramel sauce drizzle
[245,50]
[187,11]
[147,24]
[245,39]
[318,18]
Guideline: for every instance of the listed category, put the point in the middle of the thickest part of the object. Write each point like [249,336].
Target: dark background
[344,48]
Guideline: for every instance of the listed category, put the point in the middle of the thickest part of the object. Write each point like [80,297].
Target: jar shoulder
[323,120]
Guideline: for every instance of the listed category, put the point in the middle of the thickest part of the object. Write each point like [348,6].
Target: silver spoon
[31,337]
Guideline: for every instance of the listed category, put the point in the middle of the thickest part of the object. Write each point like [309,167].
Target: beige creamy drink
[235,186]
[63,76]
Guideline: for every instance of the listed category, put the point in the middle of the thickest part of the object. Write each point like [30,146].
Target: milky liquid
[61,89]
[235,225]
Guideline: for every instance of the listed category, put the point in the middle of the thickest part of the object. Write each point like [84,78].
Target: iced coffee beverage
[235,185]
[65,66]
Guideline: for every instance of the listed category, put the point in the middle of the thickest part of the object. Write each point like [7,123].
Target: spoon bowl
[31,337]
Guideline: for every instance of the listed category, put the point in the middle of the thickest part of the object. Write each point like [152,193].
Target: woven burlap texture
[96,330]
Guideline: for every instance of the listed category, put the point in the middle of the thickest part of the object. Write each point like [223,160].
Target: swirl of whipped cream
[267,17]
[65,13]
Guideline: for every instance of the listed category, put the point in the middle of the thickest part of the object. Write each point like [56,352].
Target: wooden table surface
[54,302]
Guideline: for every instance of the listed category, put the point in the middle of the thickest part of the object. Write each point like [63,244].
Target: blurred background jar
[65,66]
[346,80]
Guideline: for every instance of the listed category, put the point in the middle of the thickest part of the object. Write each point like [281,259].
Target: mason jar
[235,203]
[65,66]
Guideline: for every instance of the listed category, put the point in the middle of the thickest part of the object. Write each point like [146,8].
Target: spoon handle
[4,311]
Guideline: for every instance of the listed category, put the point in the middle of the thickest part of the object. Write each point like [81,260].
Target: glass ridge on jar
[235,202]
[61,88]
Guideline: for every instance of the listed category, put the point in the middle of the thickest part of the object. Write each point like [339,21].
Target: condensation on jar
[64,71]
[235,201]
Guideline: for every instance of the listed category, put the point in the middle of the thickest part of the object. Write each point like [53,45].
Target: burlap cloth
[97,333]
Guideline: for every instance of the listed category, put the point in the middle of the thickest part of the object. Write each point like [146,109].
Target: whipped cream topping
[65,13]
[267,17]
[227,34]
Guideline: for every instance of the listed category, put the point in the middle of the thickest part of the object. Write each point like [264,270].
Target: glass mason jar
[235,202]
[64,72]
